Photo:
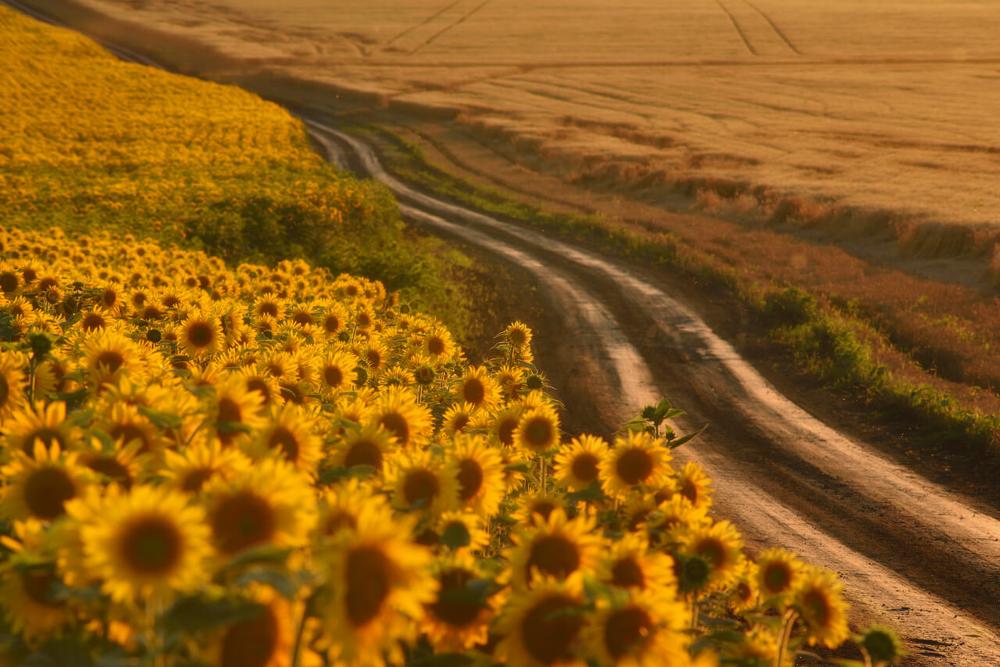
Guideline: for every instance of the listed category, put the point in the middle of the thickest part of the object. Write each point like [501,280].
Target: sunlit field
[866,119]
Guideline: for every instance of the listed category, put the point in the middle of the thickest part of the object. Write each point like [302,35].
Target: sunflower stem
[694,613]
[786,637]
[300,631]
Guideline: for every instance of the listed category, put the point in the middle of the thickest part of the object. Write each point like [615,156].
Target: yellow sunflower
[820,602]
[642,630]
[398,410]
[778,573]
[543,627]
[504,423]
[11,383]
[537,430]
[336,372]
[420,482]
[457,418]
[460,615]
[291,433]
[479,470]
[40,486]
[42,423]
[637,461]
[469,523]
[553,547]
[111,354]
[744,594]
[201,334]
[377,583]
[675,517]
[370,445]
[692,483]
[341,507]
[629,564]
[147,545]
[476,388]
[437,344]
[577,465]
[189,469]
[720,546]
[235,411]
[333,320]
[126,425]
[541,505]
[265,503]
[263,639]
[759,647]
[29,600]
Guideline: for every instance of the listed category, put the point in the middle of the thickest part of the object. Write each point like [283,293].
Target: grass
[89,142]
[830,341]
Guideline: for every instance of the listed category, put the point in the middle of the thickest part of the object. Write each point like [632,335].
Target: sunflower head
[542,626]
[577,465]
[819,601]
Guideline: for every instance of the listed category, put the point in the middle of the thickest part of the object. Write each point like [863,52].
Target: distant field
[806,111]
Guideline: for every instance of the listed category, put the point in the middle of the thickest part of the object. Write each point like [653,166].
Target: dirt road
[911,553]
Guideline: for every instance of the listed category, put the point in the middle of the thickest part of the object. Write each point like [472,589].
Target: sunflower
[537,430]
[263,384]
[460,615]
[290,432]
[744,593]
[577,465]
[268,306]
[201,334]
[333,320]
[127,425]
[637,461]
[629,564]
[235,411]
[28,595]
[642,630]
[542,627]
[397,409]
[147,545]
[377,583]
[123,465]
[264,638]
[450,523]
[40,486]
[437,344]
[778,573]
[674,517]
[40,423]
[266,503]
[477,388]
[479,470]
[421,482]
[540,505]
[50,378]
[336,372]
[758,647]
[553,547]
[457,418]
[375,354]
[692,483]
[504,423]
[111,354]
[719,545]
[820,602]
[341,508]
[367,446]
[189,469]
[11,383]
[511,380]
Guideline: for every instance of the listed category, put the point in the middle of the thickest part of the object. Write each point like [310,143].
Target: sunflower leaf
[163,420]
[279,581]
[198,614]
[330,475]
[677,442]
[259,556]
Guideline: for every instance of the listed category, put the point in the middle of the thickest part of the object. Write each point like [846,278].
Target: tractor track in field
[911,553]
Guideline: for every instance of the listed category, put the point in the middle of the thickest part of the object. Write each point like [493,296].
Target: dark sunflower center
[460,421]
[193,480]
[268,308]
[37,584]
[151,545]
[261,387]
[333,376]
[538,432]
[369,576]
[302,317]
[397,425]
[818,606]
[627,573]
[634,466]
[4,389]
[110,359]
[585,467]
[777,577]
[331,324]
[505,430]
[251,643]
[627,631]
[229,410]
[455,605]
[550,630]
[46,491]
[435,345]
[129,432]
[200,334]
[711,550]
[690,491]
[241,521]
[283,438]
[364,453]
[338,521]
[111,468]
[8,281]
[474,391]
[420,486]
[47,436]
[553,555]
[543,508]
[470,479]
[92,321]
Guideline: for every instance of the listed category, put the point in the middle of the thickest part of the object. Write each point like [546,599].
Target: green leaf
[518,467]
[456,536]
[677,442]
[331,475]
[279,581]
[200,614]
[162,420]
[265,555]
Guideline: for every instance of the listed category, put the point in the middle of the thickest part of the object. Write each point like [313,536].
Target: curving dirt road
[911,553]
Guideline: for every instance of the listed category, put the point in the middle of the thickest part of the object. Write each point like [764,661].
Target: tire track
[421,24]
[430,40]
[774,26]
[736,26]
[880,592]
